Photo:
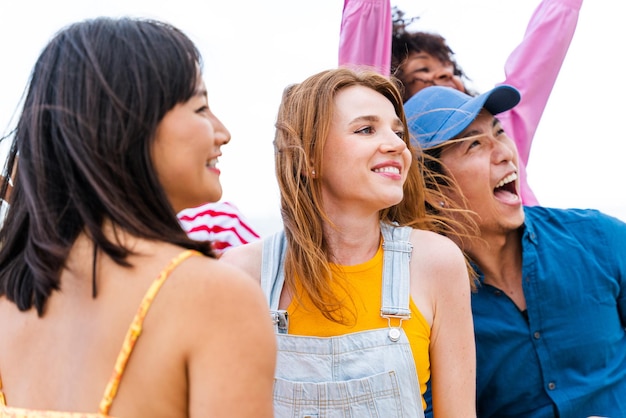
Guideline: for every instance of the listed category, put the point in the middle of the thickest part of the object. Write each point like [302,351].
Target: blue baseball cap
[437,114]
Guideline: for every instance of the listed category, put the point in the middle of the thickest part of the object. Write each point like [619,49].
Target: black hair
[83,141]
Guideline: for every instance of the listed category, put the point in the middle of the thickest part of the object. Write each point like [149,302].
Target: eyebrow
[200,91]
[424,55]
[469,134]
[367,118]
[373,118]
[495,122]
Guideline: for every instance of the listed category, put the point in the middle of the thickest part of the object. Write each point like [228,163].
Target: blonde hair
[302,126]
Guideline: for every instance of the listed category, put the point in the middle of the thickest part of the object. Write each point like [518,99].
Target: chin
[203,200]
[392,201]
[515,221]
[213,196]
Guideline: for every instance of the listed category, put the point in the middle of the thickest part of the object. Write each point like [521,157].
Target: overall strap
[273,277]
[396,281]
[397,251]
[272,267]
[135,330]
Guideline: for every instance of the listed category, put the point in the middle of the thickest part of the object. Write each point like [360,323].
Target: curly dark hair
[404,42]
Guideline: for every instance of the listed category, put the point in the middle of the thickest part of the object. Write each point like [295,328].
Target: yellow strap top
[122,358]
[360,286]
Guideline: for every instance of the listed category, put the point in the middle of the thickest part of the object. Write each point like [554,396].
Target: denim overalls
[362,374]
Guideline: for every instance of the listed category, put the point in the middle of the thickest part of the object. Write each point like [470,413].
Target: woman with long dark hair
[105,304]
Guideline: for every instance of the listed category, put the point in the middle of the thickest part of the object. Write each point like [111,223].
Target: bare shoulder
[439,275]
[218,316]
[437,257]
[202,290]
[246,257]
[213,280]
[211,297]
[435,246]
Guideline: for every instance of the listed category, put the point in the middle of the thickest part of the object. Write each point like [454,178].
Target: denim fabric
[363,374]
[567,358]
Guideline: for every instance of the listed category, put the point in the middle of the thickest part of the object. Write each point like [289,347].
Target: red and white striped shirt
[220,222]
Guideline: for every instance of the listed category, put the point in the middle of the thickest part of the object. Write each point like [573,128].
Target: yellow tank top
[120,365]
[360,287]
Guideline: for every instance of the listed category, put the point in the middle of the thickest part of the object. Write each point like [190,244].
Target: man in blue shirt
[550,308]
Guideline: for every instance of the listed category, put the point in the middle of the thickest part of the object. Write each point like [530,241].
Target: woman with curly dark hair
[374,35]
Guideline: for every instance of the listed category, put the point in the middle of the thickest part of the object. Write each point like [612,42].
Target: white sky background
[252,49]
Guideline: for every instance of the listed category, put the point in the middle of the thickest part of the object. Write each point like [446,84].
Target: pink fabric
[365,37]
[221,223]
[532,67]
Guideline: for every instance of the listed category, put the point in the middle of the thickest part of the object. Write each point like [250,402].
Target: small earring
[442,204]
[313,173]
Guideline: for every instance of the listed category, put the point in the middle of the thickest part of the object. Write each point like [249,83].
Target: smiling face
[365,159]
[421,70]
[185,151]
[484,164]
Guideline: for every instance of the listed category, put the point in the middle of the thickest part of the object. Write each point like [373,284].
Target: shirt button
[497,292]
[551,385]
[537,335]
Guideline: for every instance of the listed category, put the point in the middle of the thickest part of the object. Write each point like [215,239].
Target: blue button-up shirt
[565,356]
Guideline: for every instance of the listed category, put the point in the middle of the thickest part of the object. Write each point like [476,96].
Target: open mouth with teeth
[506,188]
[392,170]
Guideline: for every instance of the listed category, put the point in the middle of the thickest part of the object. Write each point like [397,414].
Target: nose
[504,151]
[222,134]
[393,143]
[443,77]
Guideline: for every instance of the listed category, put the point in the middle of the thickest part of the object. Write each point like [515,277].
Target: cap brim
[437,114]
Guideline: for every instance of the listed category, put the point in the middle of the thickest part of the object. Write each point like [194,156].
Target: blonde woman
[349,185]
